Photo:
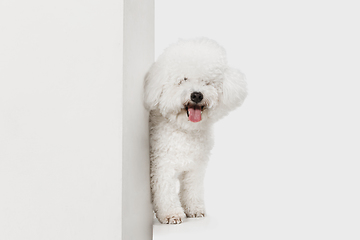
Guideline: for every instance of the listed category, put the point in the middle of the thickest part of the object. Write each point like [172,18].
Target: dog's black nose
[196,97]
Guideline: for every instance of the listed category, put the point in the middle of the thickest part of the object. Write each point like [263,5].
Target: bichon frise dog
[187,89]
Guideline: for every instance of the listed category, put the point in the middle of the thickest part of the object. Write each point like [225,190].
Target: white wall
[61,121]
[286,164]
[138,56]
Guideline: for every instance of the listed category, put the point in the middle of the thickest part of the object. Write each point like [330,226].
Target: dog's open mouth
[194,112]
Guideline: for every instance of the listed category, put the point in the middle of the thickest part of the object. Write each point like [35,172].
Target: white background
[286,164]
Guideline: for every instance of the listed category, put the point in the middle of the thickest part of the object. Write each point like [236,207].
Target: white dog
[187,89]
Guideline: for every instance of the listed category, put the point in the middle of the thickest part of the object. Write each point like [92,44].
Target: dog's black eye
[185,78]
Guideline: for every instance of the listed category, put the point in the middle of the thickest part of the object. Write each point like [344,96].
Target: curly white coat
[179,148]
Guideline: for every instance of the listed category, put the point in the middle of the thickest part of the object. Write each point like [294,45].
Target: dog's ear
[234,88]
[153,85]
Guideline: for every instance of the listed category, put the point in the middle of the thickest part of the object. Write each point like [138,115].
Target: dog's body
[188,89]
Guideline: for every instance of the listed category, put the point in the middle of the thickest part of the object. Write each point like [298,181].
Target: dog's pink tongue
[195,114]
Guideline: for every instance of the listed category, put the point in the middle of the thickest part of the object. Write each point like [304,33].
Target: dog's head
[191,84]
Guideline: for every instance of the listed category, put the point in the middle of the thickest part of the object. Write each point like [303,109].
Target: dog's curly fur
[180,148]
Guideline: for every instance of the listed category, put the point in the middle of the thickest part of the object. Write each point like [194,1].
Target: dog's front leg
[166,201]
[192,192]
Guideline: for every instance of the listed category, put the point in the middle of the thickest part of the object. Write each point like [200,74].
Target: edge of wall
[138,56]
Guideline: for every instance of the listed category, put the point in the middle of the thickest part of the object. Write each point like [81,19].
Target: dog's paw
[195,212]
[195,215]
[176,218]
